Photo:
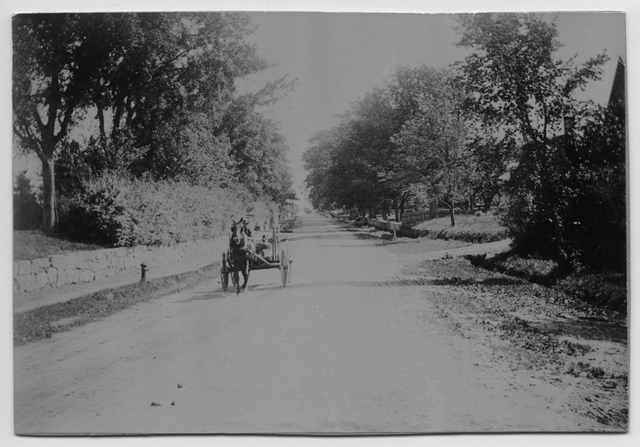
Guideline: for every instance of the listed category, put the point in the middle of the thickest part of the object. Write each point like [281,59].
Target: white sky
[345,76]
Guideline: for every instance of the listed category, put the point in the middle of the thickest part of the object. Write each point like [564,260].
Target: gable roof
[617,97]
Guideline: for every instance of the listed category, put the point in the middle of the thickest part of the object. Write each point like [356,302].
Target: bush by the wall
[470,228]
[568,198]
[27,212]
[120,210]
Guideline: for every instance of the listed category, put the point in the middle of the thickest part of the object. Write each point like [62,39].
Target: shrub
[27,212]
[530,212]
[119,210]
[607,291]
[29,245]
[568,198]
[474,229]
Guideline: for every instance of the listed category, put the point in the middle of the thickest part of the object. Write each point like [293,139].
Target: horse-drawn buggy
[244,254]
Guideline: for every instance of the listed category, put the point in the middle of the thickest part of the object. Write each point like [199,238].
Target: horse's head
[236,239]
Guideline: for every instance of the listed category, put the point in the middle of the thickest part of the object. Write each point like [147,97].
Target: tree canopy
[515,78]
[410,135]
[517,83]
[162,83]
[452,134]
[432,146]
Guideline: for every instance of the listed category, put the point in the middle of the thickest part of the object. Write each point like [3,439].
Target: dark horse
[241,248]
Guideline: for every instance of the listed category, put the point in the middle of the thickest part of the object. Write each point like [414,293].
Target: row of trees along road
[160,88]
[451,134]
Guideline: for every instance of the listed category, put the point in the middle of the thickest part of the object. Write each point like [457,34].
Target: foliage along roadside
[30,245]
[120,210]
[474,229]
[158,90]
[453,134]
[600,294]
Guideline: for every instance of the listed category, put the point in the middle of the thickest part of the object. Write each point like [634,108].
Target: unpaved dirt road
[350,346]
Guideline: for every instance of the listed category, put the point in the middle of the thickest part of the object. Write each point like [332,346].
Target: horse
[240,248]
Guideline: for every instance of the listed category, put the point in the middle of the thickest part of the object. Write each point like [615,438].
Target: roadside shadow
[345,283]
[207,295]
[586,329]
[329,236]
[456,281]
[368,236]
[320,230]
[218,293]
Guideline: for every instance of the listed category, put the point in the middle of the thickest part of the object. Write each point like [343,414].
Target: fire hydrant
[143,268]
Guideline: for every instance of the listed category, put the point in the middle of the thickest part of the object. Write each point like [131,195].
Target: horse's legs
[236,278]
[245,274]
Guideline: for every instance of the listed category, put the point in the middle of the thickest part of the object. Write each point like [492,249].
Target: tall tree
[317,163]
[51,79]
[492,151]
[259,153]
[342,171]
[433,145]
[516,81]
[142,74]
[514,77]
[170,67]
[366,169]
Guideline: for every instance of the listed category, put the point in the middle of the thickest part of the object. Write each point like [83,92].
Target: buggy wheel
[224,273]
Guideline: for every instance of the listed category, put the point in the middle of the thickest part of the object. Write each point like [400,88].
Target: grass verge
[37,324]
[29,245]
[469,228]
[537,270]
[595,293]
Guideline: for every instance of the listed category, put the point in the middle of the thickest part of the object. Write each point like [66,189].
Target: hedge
[120,210]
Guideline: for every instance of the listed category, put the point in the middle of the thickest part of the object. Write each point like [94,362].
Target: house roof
[617,97]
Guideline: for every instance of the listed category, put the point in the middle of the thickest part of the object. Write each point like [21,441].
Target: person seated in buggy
[261,245]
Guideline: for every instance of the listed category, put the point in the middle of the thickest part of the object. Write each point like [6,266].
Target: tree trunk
[397,211]
[115,125]
[101,121]
[488,199]
[563,263]
[49,215]
[433,209]
[453,214]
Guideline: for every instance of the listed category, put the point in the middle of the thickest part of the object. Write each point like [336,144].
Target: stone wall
[400,229]
[384,225]
[412,232]
[415,217]
[86,266]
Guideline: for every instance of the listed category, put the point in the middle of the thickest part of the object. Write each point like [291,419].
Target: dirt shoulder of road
[45,313]
[44,321]
[528,329]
